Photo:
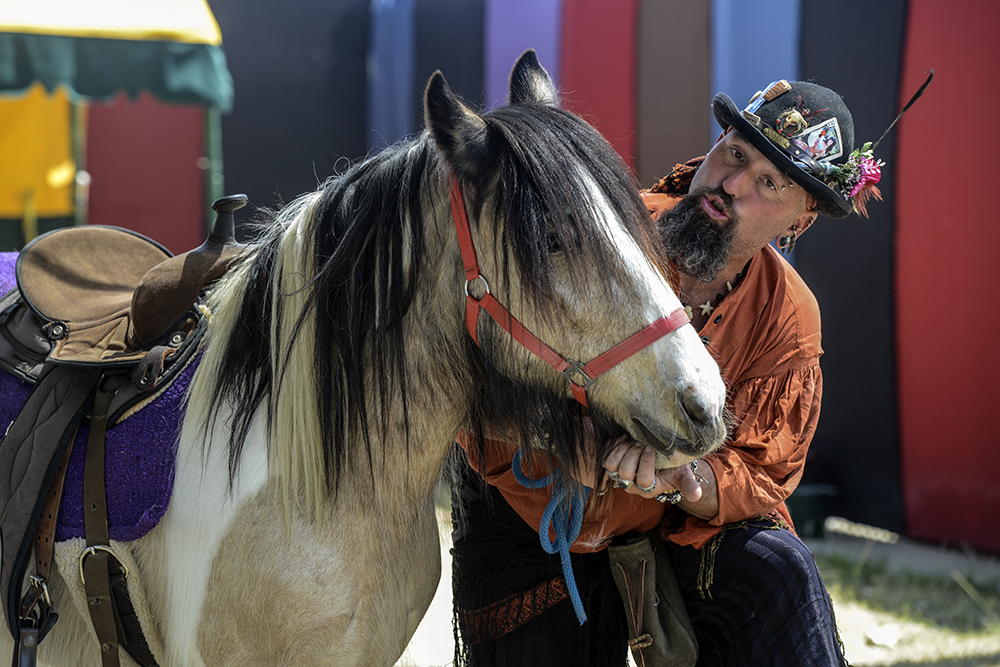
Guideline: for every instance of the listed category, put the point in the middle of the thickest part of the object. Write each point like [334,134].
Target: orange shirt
[765,335]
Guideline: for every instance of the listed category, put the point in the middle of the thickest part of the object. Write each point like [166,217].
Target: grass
[951,603]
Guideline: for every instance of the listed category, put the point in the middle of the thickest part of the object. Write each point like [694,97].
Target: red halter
[573,370]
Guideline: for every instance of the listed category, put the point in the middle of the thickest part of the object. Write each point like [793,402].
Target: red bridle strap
[580,376]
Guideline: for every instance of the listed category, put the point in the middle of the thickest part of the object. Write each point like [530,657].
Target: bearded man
[747,583]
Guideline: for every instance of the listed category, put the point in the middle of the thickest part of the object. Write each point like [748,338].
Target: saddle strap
[105,578]
[36,605]
[95,560]
[30,454]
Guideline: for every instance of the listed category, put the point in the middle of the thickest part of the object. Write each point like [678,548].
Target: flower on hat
[857,178]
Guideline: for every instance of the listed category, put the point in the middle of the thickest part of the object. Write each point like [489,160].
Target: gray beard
[694,242]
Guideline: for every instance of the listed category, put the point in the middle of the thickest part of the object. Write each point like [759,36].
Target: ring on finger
[613,476]
[624,483]
[646,489]
[672,497]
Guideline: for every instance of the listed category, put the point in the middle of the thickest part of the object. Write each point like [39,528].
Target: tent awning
[172,48]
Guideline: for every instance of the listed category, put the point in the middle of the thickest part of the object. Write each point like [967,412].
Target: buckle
[576,368]
[90,551]
[40,583]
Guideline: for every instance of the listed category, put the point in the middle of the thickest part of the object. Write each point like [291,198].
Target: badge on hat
[791,122]
[821,142]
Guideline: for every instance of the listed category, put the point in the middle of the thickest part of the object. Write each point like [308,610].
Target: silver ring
[672,497]
[646,489]
[624,483]
[613,476]
[694,469]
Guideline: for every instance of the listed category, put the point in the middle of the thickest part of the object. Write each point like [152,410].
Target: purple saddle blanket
[140,456]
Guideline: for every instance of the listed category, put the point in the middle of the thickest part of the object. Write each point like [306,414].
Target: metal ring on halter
[485,284]
[575,369]
[646,489]
[672,497]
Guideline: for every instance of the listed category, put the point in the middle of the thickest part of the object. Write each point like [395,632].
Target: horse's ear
[530,83]
[456,129]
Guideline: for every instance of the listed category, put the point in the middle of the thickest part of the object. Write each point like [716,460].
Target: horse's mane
[311,321]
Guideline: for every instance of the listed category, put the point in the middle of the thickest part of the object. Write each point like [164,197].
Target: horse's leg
[350,592]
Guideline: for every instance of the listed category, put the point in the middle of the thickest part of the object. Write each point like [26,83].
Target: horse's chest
[366,585]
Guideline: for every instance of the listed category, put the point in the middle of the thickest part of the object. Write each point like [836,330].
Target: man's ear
[803,222]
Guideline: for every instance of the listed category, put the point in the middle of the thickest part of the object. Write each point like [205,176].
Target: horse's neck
[438,386]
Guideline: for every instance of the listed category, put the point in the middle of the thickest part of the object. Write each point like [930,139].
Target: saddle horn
[169,289]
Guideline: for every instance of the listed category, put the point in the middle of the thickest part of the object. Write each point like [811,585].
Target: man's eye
[770,184]
[737,154]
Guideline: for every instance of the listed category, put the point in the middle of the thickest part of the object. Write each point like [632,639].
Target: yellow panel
[37,169]
[152,20]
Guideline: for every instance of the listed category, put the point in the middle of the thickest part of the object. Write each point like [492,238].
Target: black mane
[361,293]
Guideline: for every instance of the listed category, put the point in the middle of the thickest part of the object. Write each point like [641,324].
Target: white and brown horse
[338,369]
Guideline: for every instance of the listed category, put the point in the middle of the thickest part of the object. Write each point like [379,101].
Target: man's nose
[736,183]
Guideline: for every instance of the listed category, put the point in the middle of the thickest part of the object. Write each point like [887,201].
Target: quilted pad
[140,459]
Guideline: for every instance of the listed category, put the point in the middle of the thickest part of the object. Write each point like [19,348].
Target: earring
[787,243]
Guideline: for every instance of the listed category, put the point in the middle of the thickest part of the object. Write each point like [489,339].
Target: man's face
[699,244]
[737,203]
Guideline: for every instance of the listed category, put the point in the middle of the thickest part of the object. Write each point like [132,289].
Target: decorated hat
[807,131]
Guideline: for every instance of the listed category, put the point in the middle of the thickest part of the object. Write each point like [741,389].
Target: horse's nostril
[697,407]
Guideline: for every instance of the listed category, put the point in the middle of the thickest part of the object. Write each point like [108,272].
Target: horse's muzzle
[674,450]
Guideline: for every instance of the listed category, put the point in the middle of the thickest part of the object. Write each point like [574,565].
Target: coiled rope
[566,526]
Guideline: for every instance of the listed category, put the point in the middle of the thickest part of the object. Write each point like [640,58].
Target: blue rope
[566,528]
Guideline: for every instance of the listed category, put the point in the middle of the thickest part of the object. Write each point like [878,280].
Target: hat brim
[831,203]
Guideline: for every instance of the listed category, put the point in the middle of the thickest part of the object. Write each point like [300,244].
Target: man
[750,586]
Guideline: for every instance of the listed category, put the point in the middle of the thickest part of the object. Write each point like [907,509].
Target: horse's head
[565,243]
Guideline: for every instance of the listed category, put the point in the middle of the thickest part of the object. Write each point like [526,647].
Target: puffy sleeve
[760,466]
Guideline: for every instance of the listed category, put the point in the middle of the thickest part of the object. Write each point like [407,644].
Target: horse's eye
[555,245]
[564,240]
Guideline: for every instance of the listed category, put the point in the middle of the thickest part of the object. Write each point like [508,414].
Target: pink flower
[869,173]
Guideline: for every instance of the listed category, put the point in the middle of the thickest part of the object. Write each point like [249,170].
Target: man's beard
[696,243]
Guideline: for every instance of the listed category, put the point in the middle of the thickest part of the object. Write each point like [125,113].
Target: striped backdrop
[909,308]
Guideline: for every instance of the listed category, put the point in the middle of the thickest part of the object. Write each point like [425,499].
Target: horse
[338,369]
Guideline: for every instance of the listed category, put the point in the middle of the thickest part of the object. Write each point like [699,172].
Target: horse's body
[338,371]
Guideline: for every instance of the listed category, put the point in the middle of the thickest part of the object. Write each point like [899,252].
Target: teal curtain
[95,68]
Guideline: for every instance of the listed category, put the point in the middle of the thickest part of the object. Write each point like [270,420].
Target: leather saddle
[102,320]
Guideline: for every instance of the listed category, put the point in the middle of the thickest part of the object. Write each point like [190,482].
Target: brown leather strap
[26,651]
[150,367]
[111,611]
[642,639]
[46,534]
[97,559]
[36,604]
[634,603]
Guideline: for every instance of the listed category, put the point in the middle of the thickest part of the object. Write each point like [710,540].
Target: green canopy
[171,48]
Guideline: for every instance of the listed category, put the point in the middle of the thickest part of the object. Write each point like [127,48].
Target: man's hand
[634,464]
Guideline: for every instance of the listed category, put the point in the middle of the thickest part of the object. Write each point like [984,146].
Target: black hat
[807,131]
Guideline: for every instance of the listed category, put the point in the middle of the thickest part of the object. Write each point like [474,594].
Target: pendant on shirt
[712,304]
